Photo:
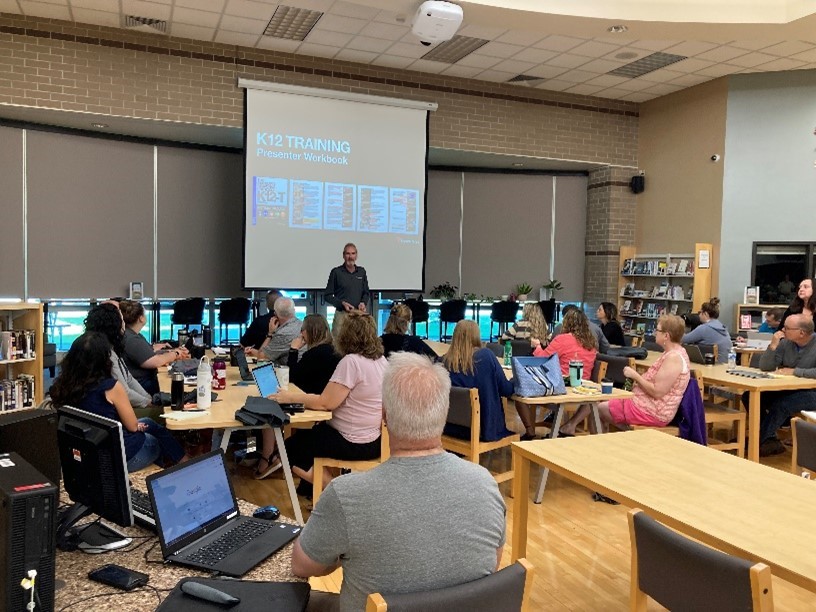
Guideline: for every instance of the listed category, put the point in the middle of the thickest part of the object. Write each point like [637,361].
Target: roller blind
[570,235]
[11,205]
[442,232]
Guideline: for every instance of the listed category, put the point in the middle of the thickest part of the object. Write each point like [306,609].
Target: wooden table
[440,348]
[718,375]
[222,416]
[745,353]
[743,508]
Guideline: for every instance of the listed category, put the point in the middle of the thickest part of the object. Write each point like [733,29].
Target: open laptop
[267,382]
[199,524]
[757,340]
[694,353]
[243,365]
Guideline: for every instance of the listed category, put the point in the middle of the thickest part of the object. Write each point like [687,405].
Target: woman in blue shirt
[86,382]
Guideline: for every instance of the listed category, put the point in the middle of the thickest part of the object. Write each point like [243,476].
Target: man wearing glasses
[792,351]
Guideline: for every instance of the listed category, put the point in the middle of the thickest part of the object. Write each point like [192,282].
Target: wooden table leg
[753,425]
[521,488]
[745,359]
[545,472]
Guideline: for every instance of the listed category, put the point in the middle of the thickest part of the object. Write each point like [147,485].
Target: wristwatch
[269,336]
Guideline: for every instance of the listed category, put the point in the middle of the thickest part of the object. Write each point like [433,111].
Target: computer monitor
[94,473]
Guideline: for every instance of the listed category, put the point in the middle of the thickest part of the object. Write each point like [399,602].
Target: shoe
[272,464]
[770,447]
[562,434]
[527,437]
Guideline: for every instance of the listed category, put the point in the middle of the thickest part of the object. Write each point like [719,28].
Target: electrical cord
[148,551]
[146,587]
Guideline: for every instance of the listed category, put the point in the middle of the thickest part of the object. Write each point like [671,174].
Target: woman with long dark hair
[608,316]
[803,303]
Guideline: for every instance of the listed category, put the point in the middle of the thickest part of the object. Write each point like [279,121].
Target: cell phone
[118,576]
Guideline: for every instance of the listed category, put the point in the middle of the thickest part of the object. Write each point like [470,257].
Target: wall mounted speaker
[638,183]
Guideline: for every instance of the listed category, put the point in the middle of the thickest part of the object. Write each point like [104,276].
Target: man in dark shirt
[347,288]
[256,332]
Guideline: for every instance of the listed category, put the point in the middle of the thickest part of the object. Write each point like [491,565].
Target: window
[778,268]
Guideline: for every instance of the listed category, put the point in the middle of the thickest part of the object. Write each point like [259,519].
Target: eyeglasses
[786,328]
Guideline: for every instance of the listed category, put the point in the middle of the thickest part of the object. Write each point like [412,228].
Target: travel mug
[177,391]
[576,370]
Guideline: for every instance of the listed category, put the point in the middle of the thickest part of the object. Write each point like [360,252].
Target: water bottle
[177,391]
[732,358]
[204,384]
[219,382]
[508,353]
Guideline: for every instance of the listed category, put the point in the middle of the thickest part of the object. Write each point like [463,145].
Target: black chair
[548,308]
[651,345]
[451,311]
[614,368]
[234,311]
[502,313]
[187,312]
[804,445]
[420,310]
[520,348]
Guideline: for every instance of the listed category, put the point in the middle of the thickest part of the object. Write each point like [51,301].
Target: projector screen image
[322,172]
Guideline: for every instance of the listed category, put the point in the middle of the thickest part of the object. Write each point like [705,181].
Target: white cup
[282,372]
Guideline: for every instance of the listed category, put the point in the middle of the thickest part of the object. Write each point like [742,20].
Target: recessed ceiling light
[101,126]
[617,29]
[291,23]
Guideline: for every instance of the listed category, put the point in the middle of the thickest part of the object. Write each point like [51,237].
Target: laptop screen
[265,379]
[241,360]
[191,497]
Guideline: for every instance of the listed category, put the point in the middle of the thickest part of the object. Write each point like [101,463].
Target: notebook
[243,365]
[199,524]
[757,340]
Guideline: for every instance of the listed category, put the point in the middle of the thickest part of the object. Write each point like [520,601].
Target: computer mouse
[267,513]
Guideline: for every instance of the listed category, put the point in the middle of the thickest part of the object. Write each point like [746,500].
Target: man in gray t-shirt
[422,520]
[283,328]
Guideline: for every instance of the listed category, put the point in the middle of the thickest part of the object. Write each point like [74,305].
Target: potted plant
[548,305]
[552,287]
[444,292]
[522,289]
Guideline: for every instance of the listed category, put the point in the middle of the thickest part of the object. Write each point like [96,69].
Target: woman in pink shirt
[576,341]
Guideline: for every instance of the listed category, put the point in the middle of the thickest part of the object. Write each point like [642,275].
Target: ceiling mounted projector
[436,21]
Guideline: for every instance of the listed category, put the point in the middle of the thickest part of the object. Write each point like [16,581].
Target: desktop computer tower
[28,529]
[32,434]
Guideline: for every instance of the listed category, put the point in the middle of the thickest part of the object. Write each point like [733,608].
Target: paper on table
[181,415]
[220,350]
[810,415]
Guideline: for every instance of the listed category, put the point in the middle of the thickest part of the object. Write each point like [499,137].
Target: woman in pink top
[353,396]
[576,341]
[657,392]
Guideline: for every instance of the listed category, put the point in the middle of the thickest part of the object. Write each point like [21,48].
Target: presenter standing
[347,288]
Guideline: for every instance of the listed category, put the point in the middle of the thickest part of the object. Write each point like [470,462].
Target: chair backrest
[804,445]
[520,348]
[548,308]
[614,367]
[598,370]
[188,312]
[507,589]
[504,312]
[462,401]
[754,362]
[497,348]
[452,311]
[419,310]
[681,574]
[630,340]
[235,310]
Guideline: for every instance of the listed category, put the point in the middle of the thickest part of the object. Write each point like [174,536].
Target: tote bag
[538,376]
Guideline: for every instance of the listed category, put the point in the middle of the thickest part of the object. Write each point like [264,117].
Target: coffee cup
[576,372]
[282,372]
[606,387]
[709,359]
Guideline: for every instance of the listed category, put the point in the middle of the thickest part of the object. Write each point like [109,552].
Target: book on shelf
[674,309]
[663,290]
[672,268]
[628,267]
[641,328]
[745,321]
[627,306]
[676,292]
[751,295]
[662,267]
[629,289]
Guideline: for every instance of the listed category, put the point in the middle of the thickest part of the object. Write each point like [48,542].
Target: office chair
[187,312]
[420,313]
[234,311]
[502,313]
[451,311]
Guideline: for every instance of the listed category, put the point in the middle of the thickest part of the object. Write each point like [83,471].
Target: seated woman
[531,325]
[576,341]
[472,366]
[803,303]
[353,396]
[396,336]
[608,316]
[142,359]
[657,392]
[86,382]
[711,330]
[311,374]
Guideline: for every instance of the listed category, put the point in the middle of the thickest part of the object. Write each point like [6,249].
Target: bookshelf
[652,284]
[755,311]
[17,317]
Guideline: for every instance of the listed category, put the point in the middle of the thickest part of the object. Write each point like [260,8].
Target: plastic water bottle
[204,384]
[508,353]
[732,358]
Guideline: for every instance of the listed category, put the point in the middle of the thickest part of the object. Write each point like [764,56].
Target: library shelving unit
[654,284]
[19,316]
[755,311]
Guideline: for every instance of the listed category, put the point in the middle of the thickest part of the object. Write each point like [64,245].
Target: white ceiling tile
[634,85]
[807,56]
[534,55]
[584,90]
[145,9]
[635,96]
[197,18]
[405,50]
[690,80]
[312,5]
[48,11]
[386,16]
[652,45]
[102,18]
[721,54]
[214,6]
[428,66]
[601,65]
[480,31]
[111,6]
[545,71]
[664,88]
[525,38]
[54,2]
[466,72]
[691,64]
[577,76]
[385,30]
[749,60]
[607,80]
[277,44]
[555,85]
[566,60]
[236,38]
[330,39]
[394,61]
[245,26]
[615,93]
[347,9]
[11,6]
[249,9]
[788,48]
[783,63]
[690,48]
[337,23]
[663,75]
[361,57]
[495,76]
[317,50]
[496,49]
[476,60]
[753,45]
[558,43]
[182,30]
[513,65]
[365,43]
[717,70]
[594,49]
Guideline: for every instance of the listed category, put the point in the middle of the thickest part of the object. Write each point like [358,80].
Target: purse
[538,376]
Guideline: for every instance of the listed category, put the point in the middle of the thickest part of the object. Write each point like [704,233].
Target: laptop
[243,365]
[757,340]
[267,383]
[199,524]
[694,353]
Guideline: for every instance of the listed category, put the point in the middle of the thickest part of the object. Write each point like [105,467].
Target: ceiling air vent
[526,79]
[144,24]
[291,23]
[647,64]
[451,51]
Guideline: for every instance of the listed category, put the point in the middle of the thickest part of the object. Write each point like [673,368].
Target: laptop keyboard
[214,552]
[141,504]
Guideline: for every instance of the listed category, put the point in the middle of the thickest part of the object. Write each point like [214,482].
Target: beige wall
[682,203]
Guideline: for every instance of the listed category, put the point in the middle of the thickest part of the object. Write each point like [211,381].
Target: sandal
[273,462]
